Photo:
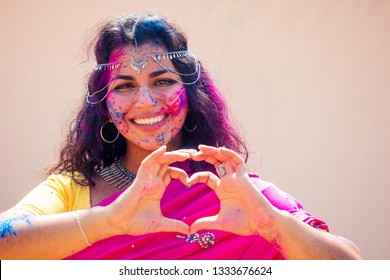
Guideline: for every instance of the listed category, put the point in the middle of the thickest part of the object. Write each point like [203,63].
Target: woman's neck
[135,154]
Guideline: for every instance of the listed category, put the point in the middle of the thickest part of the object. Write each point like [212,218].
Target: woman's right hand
[137,210]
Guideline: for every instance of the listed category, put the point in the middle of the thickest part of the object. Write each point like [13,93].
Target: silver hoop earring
[190,130]
[104,139]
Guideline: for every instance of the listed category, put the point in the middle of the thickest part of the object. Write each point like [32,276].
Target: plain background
[307,82]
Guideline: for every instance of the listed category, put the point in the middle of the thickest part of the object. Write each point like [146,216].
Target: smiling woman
[152,168]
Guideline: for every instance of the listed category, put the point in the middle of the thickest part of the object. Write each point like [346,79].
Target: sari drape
[189,205]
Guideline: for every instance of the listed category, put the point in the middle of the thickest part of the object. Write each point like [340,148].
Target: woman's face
[148,108]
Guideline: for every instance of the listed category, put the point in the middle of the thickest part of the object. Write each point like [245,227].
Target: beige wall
[307,80]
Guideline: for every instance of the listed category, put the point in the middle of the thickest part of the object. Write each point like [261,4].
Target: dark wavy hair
[85,153]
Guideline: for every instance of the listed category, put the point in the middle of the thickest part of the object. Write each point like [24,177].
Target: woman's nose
[145,97]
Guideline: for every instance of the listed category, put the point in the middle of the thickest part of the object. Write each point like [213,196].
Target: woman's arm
[246,211]
[24,236]
[136,211]
[297,240]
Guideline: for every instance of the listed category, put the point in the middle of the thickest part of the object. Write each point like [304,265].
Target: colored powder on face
[153,99]
[160,138]
[122,126]
[115,111]
[178,102]
[117,114]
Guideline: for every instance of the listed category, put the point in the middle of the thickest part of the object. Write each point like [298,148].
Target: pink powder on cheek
[177,102]
[122,127]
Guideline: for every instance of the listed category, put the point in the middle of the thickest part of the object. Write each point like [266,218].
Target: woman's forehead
[128,51]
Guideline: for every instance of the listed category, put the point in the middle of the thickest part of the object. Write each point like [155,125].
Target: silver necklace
[117,174]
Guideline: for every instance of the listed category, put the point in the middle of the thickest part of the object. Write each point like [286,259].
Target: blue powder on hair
[150,29]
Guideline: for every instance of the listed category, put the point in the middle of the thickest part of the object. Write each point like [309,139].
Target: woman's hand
[244,209]
[137,211]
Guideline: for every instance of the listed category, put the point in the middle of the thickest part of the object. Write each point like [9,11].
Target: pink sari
[188,205]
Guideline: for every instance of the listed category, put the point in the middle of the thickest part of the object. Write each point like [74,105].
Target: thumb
[172,225]
[205,223]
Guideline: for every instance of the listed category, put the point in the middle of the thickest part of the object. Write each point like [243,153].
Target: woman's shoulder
[58,193]
[68,185]
[65,179]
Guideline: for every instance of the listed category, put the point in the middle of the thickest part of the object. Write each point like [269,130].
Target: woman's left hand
[244,209]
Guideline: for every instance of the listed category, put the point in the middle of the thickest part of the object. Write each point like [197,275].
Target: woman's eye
[124,87]
[164,82]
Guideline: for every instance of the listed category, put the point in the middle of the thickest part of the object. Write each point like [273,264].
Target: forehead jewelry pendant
[138,63]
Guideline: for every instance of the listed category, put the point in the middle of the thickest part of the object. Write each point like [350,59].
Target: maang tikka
[138,63]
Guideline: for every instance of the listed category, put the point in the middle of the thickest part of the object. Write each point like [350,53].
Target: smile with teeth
[149,121]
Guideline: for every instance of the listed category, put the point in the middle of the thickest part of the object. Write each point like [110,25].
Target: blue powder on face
[153,99]
[160,138]
[6,226]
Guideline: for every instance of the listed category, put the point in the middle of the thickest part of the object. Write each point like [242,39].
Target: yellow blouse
[58,194]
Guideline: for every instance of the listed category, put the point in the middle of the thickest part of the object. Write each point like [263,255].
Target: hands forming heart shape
[244,210]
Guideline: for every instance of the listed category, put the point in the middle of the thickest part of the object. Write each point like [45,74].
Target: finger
[205,223]
[150,159]
[206,177]
[160,165]
[172,225]
[200,156]
[208,149]
[171,157]
[163,170]
[188,151]
[236,159]
[231,155]
[175,173]
[153,170]
[230,167]
[213,152]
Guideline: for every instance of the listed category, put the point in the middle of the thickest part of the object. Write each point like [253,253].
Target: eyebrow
[124,77]
[151,75]
[158,73]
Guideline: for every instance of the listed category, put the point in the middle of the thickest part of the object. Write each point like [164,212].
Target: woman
[153,169]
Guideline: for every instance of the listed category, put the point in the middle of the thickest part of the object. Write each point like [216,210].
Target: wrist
[271,230]
[95,224]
